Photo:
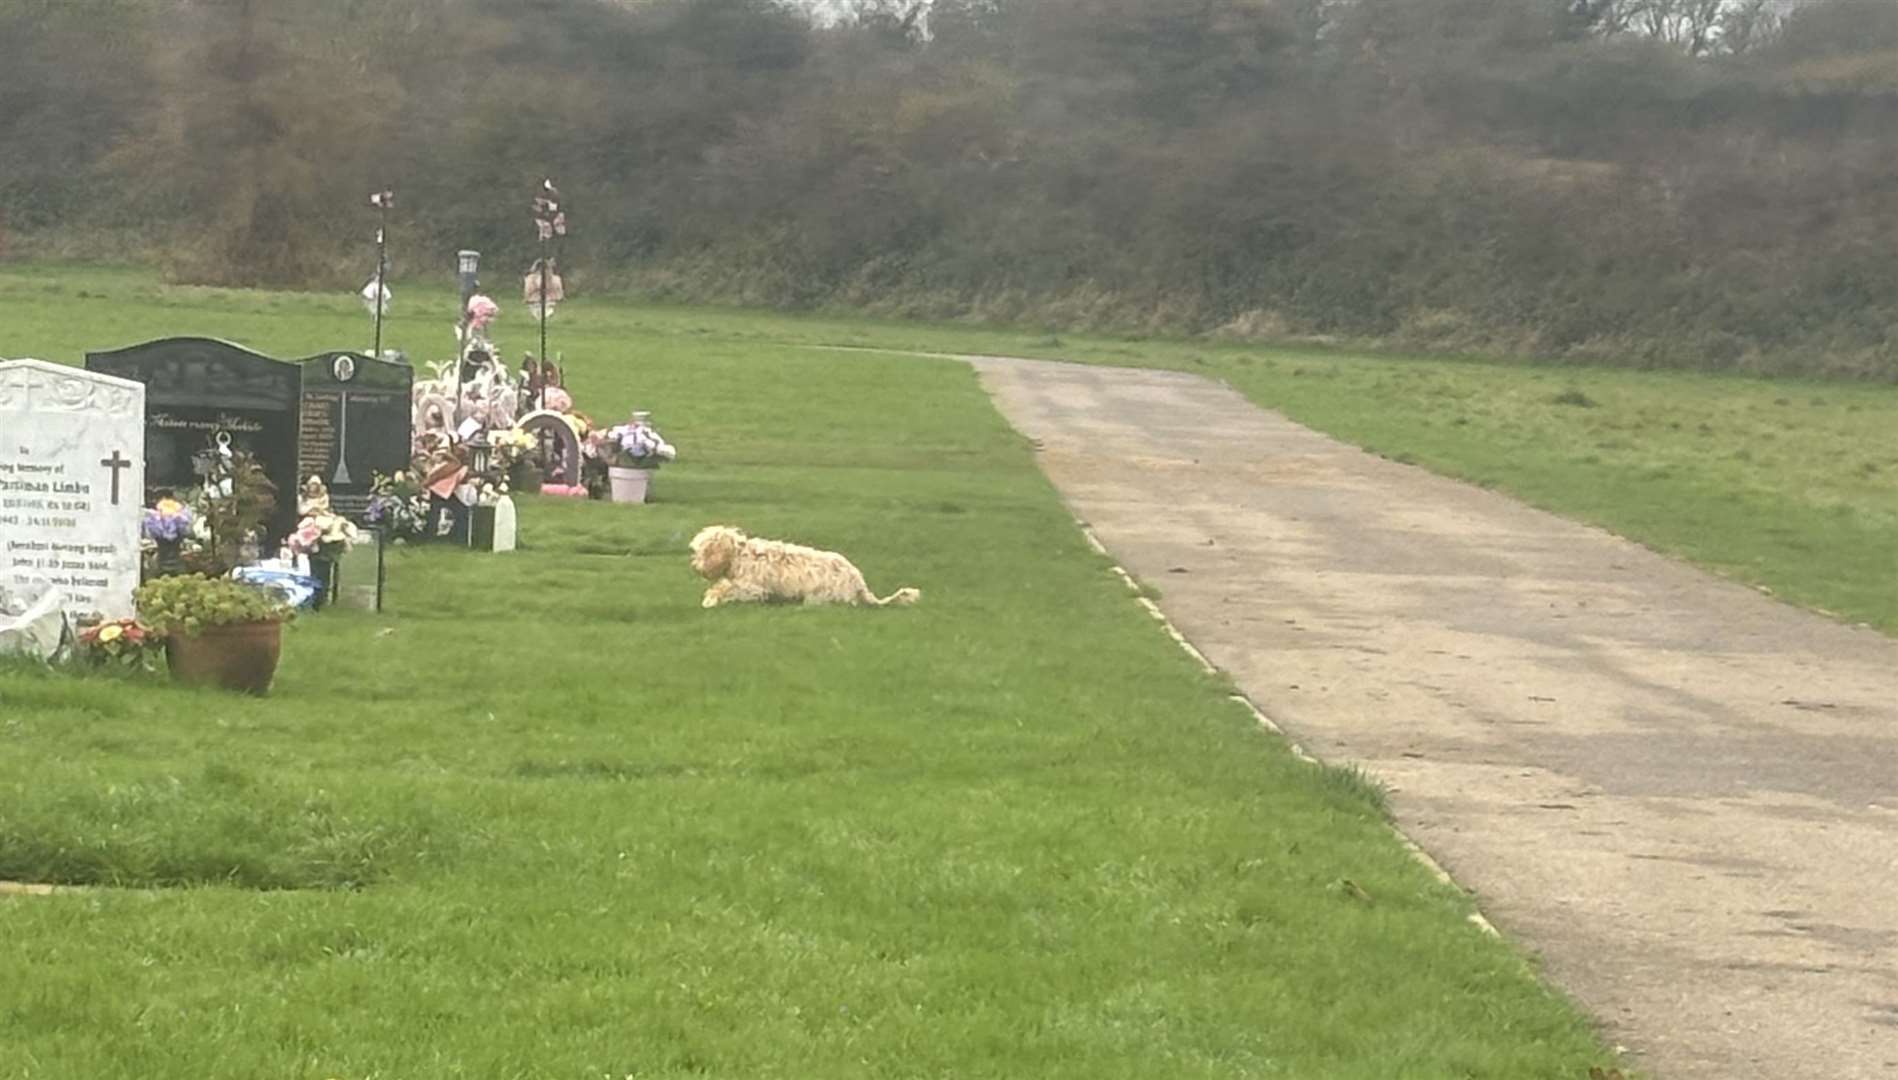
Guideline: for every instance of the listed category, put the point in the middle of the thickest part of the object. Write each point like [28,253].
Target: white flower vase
[629,485]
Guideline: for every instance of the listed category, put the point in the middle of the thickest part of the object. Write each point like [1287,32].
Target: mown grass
[1786,484]
[544,817]
[1782,483]
[1792,486]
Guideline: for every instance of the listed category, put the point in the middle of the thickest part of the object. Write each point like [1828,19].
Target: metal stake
[382,265]
[381,200]
[540,395]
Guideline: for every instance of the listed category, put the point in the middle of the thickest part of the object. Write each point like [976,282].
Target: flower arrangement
[324,534]
[189,604]
[511,443]
[513,455]
[397,505]
[321,533]
[506,448]
[632,445]
[486,490]
[125,642]
[168,521]
[170,530]
[481,311]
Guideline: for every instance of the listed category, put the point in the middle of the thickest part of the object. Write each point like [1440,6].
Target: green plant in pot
[218,632]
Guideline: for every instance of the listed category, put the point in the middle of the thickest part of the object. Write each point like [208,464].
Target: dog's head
[713,550]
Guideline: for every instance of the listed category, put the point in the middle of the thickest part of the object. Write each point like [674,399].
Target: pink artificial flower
[481,310]
[308,535]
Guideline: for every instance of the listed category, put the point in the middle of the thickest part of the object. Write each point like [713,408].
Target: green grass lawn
[1787,484]
[545,817]
[1791,485]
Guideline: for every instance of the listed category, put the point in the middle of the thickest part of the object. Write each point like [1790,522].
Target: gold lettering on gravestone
[316,444]
[224,422]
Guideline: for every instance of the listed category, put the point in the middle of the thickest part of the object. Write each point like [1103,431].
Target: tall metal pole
[467,269]
[551,221]
[381,200]
[545,244]
[382,267]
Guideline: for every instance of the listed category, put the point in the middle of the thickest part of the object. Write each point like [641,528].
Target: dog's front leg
[720,592]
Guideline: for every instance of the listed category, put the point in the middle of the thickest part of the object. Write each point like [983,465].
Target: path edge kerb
[974,362]
[1134,587]
[1267,724]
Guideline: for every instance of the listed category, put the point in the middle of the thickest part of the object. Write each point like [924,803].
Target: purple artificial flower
[168,522]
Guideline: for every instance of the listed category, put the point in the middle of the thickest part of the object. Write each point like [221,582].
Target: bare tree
[1696,27]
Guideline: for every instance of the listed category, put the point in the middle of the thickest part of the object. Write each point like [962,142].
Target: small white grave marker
[505,524]
[72,485]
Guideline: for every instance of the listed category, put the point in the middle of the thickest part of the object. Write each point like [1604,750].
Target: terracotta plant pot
[240,657]
[629,485]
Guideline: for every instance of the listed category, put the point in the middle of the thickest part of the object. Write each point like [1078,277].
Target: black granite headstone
[198,387]
[354,423]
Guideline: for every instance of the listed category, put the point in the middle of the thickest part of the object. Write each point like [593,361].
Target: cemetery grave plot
[353,423]
[71,481]
[196,389]
[339,415]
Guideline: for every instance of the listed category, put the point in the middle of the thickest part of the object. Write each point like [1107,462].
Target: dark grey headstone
[198,387]
[353,423]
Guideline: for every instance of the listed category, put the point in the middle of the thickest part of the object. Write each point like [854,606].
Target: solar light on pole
[467,264]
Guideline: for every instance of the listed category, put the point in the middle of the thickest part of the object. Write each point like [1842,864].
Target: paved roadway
[1681,794]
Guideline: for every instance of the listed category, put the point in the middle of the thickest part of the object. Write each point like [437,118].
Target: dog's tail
[903,597]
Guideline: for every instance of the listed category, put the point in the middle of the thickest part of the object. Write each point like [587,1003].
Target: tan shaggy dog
[743,569]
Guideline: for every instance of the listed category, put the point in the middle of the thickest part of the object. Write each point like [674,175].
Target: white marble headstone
[505,524]
[72,485]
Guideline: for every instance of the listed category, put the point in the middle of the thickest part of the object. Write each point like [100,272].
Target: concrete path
[1682,794]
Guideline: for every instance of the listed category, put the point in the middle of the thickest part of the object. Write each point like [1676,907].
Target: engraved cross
[117,463]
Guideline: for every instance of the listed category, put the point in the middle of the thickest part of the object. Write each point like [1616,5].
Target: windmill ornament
[548,215]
